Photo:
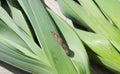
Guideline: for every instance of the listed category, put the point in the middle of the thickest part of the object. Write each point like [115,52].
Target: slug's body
[61,42]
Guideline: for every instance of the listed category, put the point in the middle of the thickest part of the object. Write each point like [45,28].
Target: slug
[61,42]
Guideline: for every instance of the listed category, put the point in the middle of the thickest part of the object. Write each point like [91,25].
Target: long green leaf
[18,48]
[7,33]
[23,62]
[79,58]
[18,17]
[32,45]
[100,24]
[73,11]
[111,9]
[38,16]
[102,47]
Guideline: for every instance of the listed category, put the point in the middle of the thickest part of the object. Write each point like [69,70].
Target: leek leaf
[32,45]
[38,15]
[111,9]
[79,58]
[102,47]
[100,24]
[18,17]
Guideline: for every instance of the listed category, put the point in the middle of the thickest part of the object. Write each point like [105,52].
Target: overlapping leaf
[79,58]
[15,39]
[111,9]
[18,17]
[100,24]
[43,26]
[102,47]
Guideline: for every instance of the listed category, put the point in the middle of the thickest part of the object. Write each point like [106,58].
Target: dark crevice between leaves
[79,26]
[77,2]
[6,7]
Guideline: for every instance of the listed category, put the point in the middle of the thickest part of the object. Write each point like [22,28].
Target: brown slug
[61,42]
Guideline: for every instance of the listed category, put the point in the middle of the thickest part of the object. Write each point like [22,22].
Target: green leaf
[100,24]
[18,17]
[23,62]
[18,48]
[111,9]
[32,45]
[21,34]
[9,34]
[74,11]
[102,47]
[79,56]
[43,27]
